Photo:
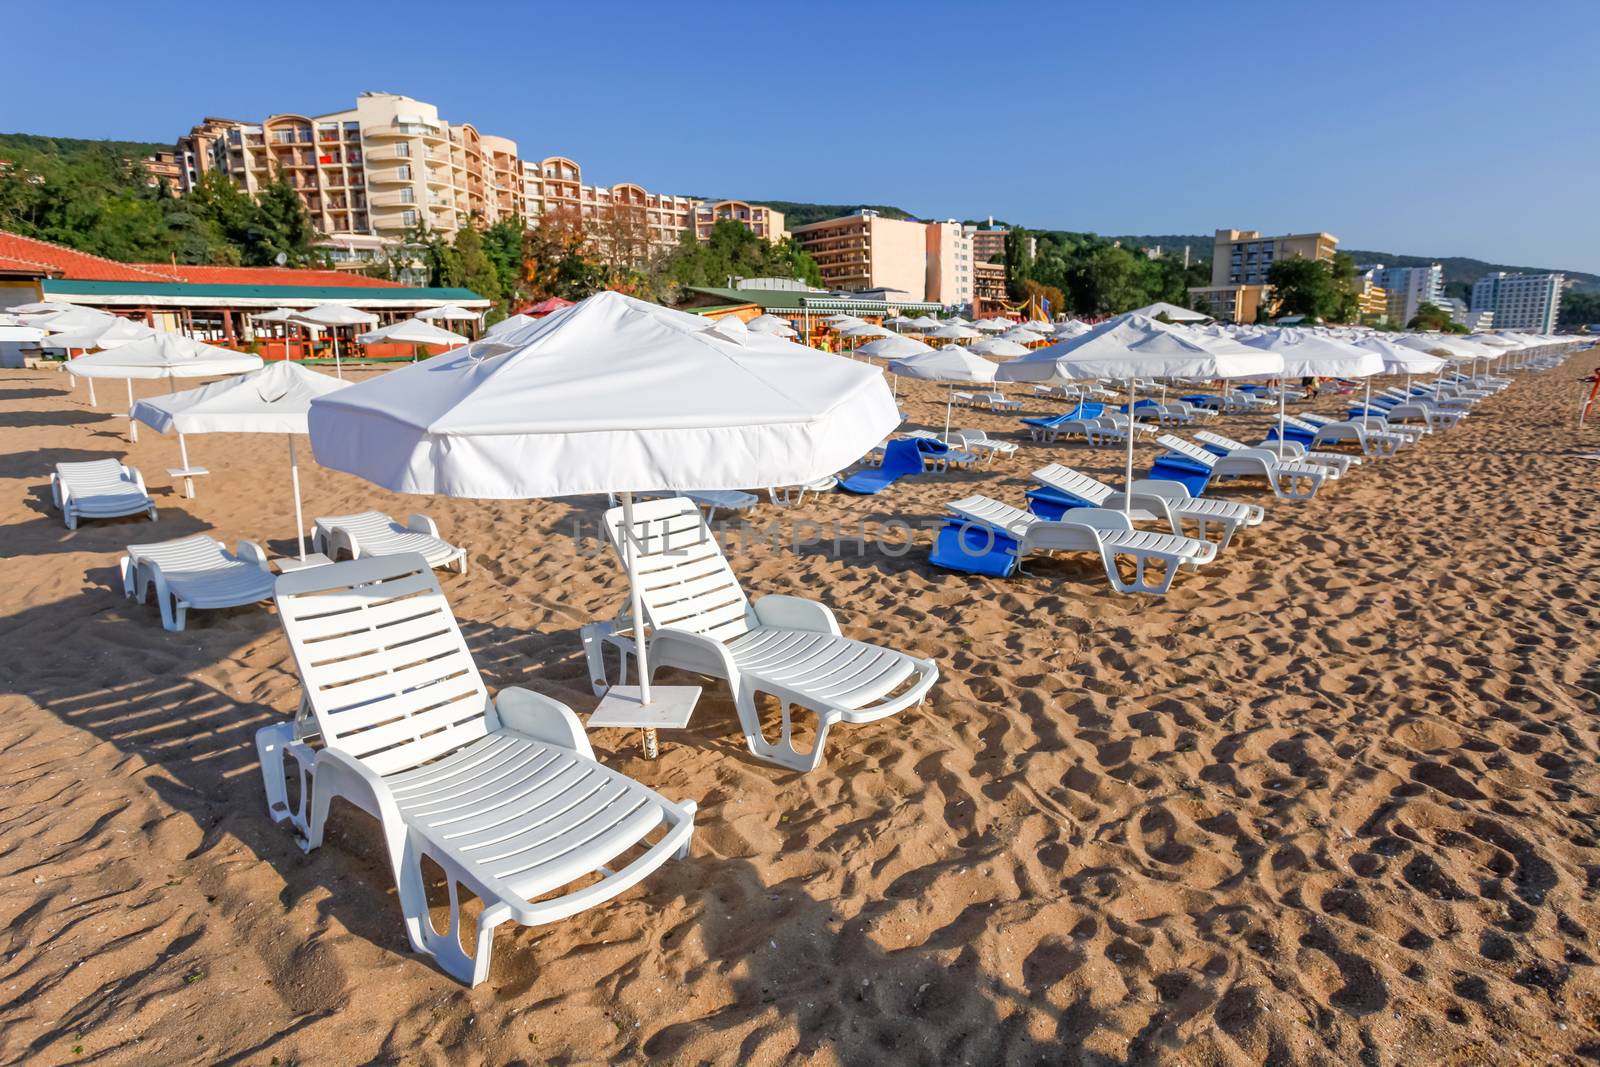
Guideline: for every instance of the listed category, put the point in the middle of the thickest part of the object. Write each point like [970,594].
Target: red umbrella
[545,307]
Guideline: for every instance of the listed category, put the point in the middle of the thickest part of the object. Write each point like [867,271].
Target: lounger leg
[172,612]
[270,743]
[128,569]
[783,752]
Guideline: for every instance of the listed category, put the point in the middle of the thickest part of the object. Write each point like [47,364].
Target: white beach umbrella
[993,325]
[954,332]
[1022,335]
[775,325]
[71,317]
[926,322]
[1039,325]
[274,399]
[157,356]
[414,332]
[333,316]
[449,313]
[957,320]
[1402,359]
[1071,328]
[952,365]
[1173,312]
[869,331]
[611,395]
[998,348]
[843,321]
[1308,354]
[1135,346]
[108,334]
[893,347]
[899,322]
[41,307]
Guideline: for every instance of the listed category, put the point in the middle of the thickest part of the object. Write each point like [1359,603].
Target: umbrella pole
[1283,414]
[1366,405]
[949,401]
[636,612]
[133,427]
[183,456]
[1127,488]
[338,368]
[299,515]
[92,402]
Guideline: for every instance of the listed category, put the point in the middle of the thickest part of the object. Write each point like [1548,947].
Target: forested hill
[72,149]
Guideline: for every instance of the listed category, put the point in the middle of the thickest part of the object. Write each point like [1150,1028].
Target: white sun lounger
[783,646]
[1373,438]
[372,533]
[795,495]
[980,442]
[1108,533]
[1168,501]
[99,489]
[1288,479]
[504,794]
[1337,463]
[196,572]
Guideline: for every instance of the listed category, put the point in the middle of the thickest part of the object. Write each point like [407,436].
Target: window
[409,217]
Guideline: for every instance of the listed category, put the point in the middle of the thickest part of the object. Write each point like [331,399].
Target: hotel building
[949,264]
[1240,262]
[1520,301]
[370,174]
[867,251]
[1409,288]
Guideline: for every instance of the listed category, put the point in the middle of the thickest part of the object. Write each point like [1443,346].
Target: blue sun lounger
[1174,467]
[1082,411]
[901,457]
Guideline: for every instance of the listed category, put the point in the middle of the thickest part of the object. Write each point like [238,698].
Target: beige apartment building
[762,221]
[1240,262]
[867,251]
[950,276]
[370,174]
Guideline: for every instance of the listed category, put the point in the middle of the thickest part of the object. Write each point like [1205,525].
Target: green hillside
[18,147]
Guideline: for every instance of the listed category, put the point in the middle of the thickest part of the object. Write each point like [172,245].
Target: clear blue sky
[1463,128]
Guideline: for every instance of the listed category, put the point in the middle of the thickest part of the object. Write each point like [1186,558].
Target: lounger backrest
[1075,483]
[684,579]
[385,668]
[1220,441]
[1186,449]
[361,523]
[90,474]
[985,511]
[198,552]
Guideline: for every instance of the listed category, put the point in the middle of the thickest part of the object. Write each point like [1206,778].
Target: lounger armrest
[341,774]
[250,552]
[1156,504]
[135,477]
[684,647]
[60,491]
[1264,455]
[420,523]
[542,718]
[1162,487]
[796,613]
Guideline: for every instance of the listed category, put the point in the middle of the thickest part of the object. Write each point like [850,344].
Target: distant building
[868,251]
[1408,288]
[949,264]
[991,242]
[989,295]
[391,164]
[762,221]
[1241,261]
[1520,301]
[1476,321]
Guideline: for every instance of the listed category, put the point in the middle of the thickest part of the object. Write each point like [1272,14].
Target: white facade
[1520,301]
[1476,321]
[949,264]
[1409,288]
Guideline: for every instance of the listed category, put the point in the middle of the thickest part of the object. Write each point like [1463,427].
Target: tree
[1318,289]
[732,250]
[281,226]
[1018,261]
[1429,316]
[1110,282]
[1579,309]
[474,269]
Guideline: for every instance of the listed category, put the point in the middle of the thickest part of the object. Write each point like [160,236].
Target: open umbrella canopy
[546,306]
[336,315]
[509,324]
[993,325]
[899,322]
[1039,325]
[73,318]
[163,355]
[1307,354]
[949,364]
[1173,312]
[1022,335]
[274,399]
[957,320]
[1401,359]
[954,332]
[1070,328]
[771,324]
[41,307]
[1135,346]
[275,315]
[926,322]
[843,321]
[998,347]
[112,333]
[613,395]
[412,331]
[448,313]
[893,347]
[868,330]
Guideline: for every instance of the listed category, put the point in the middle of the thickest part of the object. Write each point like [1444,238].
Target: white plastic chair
[1166,500]
[1288,479]
[503,794]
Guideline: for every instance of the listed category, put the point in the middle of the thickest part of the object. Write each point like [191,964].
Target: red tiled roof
[25,255]
[263,276]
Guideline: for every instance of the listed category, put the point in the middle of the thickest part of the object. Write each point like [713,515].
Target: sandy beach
[1331,801]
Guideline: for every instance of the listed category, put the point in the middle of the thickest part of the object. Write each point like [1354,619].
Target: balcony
[396,176]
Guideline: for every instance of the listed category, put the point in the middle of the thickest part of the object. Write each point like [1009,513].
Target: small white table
[285,564]
[188,474]
[670,708]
